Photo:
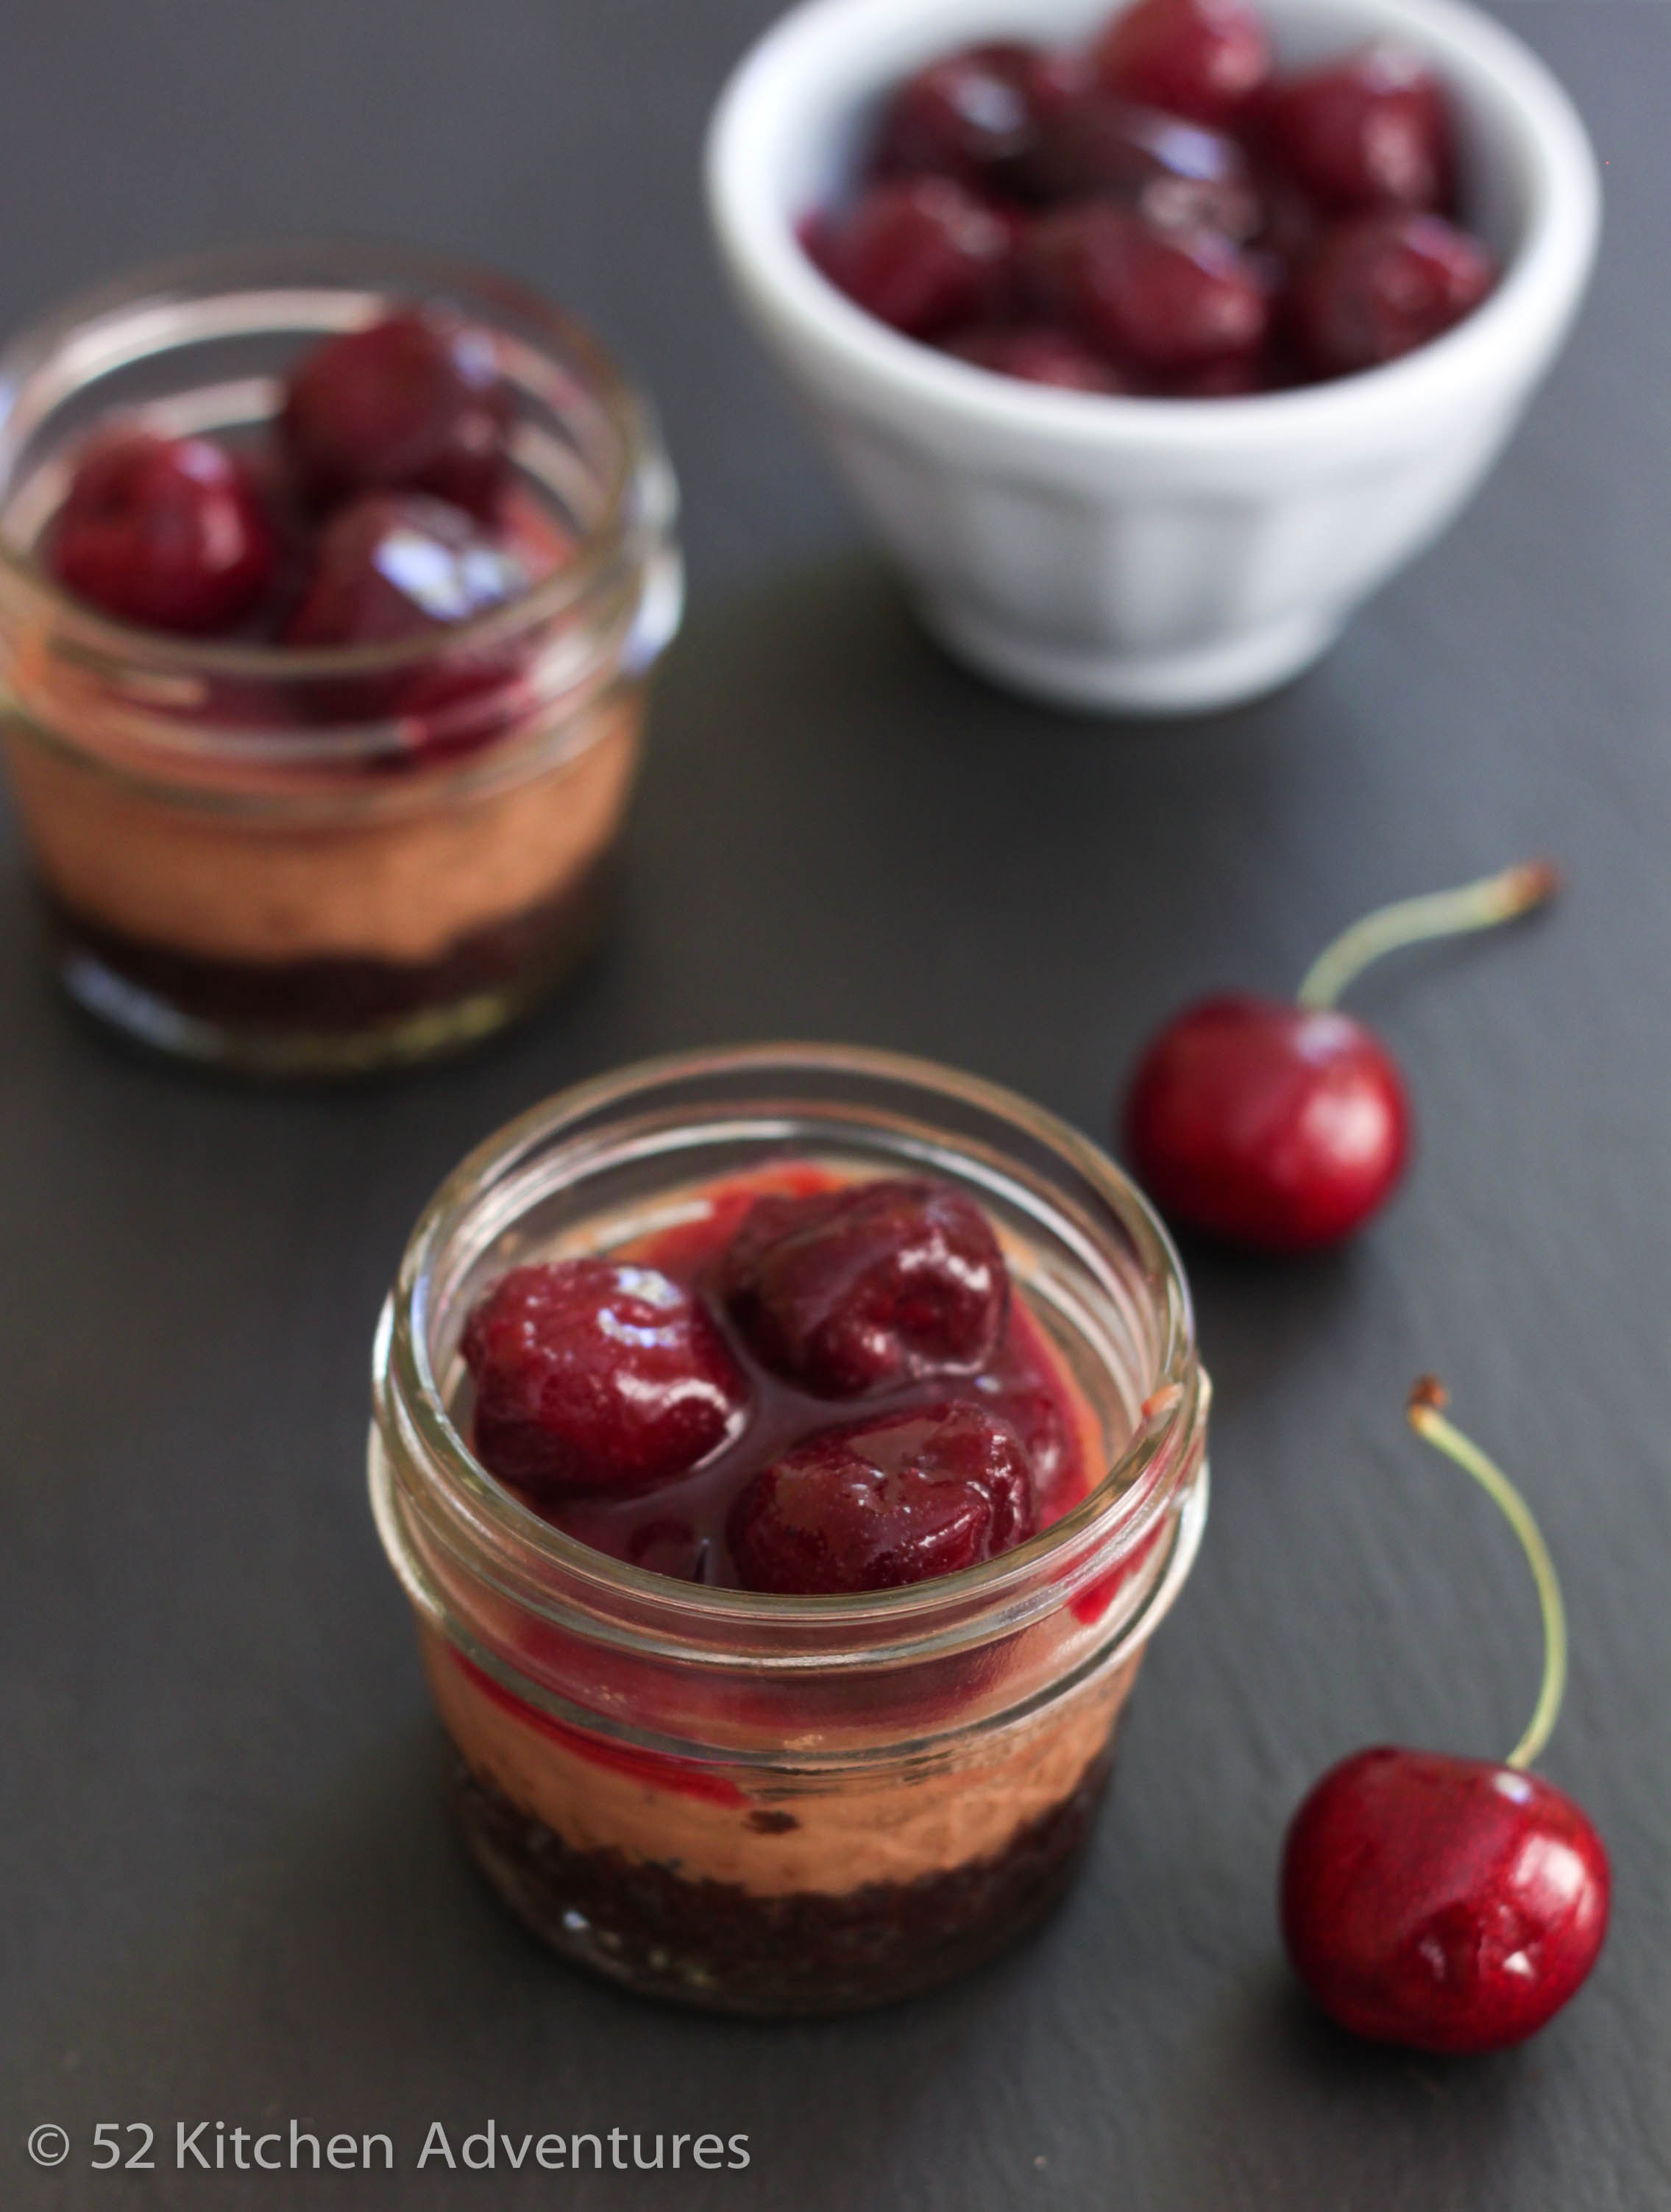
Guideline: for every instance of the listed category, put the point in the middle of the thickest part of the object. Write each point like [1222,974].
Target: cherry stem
[1501,898]
[1426,1410]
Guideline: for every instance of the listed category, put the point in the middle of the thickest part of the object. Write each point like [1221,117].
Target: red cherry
[1284,1126]
[396,565]
[922,255]
[926,1493]
[876,1284]
[1163,300]
[594,1377]
[970,117]
[1204,58]
[168,533]
[1270,1124]
[1369,131]
[1379,286]
[399,565]
[1446,1903]
[1180,175]
[415,403]
[1039,354]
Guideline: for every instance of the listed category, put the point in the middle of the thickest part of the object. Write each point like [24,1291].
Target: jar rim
[1118,1513]
[612,540]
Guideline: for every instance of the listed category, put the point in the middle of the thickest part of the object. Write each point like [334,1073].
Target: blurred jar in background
[326,858]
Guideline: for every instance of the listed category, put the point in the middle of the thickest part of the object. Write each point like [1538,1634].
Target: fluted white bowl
[1147,555]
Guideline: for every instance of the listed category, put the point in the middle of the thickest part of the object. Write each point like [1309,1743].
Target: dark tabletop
[229,1891]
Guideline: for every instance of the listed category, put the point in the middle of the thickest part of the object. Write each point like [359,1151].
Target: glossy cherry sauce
[679,1529]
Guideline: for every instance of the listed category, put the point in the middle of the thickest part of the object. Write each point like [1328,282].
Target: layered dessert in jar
[331,584]
[788,1453]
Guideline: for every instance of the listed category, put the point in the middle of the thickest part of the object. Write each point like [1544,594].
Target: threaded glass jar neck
[201,346]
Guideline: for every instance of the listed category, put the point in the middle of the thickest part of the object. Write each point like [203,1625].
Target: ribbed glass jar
[327,859]
[780,1803]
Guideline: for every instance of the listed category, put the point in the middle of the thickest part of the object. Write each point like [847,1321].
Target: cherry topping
[1162,300]
[396,565]
[594,1377]
[1266,1123]
[1180,175]
[1369,131]
[923,255]
[1204,58]
[902,1500]
[168,533]
[1380,285]
[970,117]
[1039,354]
[1447,1904]
[1284,1126]
[871,1286]
[415,403]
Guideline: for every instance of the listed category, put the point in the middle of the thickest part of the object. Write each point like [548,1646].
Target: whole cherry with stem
[1449,1905]
[1284,1126]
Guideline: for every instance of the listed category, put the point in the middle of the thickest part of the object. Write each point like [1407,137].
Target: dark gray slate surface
[229,1892]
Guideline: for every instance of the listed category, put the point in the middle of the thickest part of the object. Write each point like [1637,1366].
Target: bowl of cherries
[1152,343]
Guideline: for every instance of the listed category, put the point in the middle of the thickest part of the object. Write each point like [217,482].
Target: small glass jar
[780,1804]
[245,854]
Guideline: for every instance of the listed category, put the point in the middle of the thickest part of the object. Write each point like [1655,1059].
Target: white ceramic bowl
[1147,555]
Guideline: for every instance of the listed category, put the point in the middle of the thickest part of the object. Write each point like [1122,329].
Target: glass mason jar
[327,860]
[784,1804]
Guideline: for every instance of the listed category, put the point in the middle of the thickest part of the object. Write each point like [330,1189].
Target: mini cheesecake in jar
[788,1454]
[330,584]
